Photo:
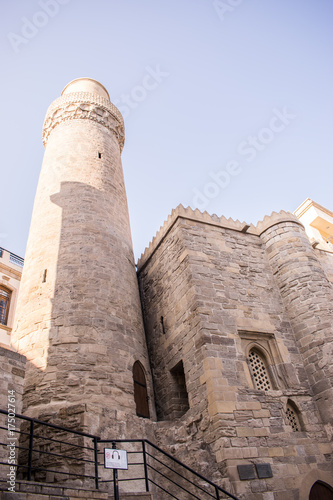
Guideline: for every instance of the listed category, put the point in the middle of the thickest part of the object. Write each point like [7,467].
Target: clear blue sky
[243,94]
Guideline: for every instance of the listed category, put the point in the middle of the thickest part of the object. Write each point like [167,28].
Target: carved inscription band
[79,105]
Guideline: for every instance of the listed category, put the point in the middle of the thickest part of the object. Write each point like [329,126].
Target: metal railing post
[31,443]
[96,462]
[145,464]
[115,478]
[217,493]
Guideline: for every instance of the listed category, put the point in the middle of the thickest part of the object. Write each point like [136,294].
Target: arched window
[292,417]
[4,304]
[321,491]
[259,370]
[140,391]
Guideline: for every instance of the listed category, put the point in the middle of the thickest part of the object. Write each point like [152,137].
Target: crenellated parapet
[84,105]
[194,215]
[276,218]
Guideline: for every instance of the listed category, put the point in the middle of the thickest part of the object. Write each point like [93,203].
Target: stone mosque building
[219,347]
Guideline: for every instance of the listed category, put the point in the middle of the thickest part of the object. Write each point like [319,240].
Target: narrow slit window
[162,325]
[99,155]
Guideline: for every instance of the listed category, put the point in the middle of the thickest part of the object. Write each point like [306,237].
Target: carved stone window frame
[6,299]
[295,408]
[266,346]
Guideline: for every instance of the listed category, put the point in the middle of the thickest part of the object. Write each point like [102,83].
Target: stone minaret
[79,320]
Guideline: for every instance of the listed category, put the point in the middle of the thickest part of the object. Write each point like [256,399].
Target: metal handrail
[33,437]
[145,443]
[59,427]
[11,254]
[178,462]
[172,470]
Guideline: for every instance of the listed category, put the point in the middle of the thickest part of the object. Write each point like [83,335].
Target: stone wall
[79,319]
[326,260]
[213,285]
[12,369]
[307,296]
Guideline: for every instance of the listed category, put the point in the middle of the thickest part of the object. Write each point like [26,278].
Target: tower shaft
[79,316]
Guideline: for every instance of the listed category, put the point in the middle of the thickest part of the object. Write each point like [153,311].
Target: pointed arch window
[293,417]
[5,296]
[140,390]
[258,366]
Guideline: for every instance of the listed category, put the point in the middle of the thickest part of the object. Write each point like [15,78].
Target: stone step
[135,496]
[71,495]
[29,490]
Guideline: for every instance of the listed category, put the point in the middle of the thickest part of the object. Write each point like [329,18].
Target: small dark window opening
[162,324]
[140,391]
[44,276]
[179,396]
[99,155]
[5,295]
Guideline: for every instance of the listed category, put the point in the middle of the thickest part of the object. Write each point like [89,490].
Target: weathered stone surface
[216,289]
[79,319]
[238,321]
[307,295]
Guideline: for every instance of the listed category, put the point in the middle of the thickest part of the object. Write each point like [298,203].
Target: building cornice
[307,204]
[10,271]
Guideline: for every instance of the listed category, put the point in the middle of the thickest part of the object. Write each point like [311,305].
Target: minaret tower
[79,320]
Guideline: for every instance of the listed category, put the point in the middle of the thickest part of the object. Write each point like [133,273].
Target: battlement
[206,218]
[194,215]
[276,218]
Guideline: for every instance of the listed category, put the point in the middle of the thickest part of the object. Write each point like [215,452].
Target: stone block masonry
[216,289]
[79,319]
[234,365]
[12,369]
[307,294]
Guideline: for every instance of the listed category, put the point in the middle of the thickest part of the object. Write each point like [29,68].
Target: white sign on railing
[115,459]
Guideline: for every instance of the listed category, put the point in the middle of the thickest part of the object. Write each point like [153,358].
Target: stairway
[28,490]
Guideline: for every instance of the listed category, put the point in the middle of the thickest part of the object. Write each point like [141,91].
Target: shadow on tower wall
[91,343]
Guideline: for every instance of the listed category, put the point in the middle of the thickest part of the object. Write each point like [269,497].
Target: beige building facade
[10,276]
[219,348]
